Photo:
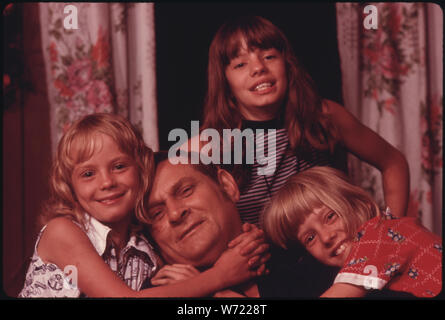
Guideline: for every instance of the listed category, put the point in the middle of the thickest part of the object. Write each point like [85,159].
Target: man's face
[193,218]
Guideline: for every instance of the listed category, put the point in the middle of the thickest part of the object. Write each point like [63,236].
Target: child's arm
[344,290]
[179,272]
[370,147]
[64,243]
[251,243]
[172,273]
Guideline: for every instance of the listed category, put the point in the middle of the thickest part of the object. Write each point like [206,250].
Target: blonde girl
[341,226]
[90,244]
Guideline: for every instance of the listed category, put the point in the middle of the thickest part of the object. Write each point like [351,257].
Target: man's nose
[177,211]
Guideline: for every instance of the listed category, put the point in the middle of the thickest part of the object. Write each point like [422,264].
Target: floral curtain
[100,57]
[392,81]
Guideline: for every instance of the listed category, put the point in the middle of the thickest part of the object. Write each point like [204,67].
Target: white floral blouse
[136,263]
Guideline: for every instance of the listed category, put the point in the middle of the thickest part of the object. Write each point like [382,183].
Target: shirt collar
[97,233]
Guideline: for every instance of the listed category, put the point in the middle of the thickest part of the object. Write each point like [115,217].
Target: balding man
[193,217]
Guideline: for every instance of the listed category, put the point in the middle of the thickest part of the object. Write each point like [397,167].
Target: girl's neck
[261,113]
[276,123]
[120,232]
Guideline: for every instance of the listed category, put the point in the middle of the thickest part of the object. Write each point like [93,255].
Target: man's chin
[200,257]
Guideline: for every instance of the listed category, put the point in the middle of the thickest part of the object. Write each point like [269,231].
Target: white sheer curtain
[107,64]
[393,82]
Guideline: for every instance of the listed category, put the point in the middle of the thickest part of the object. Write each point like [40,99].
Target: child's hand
[172,273]
[252,238]
[252,243]
[245,256]
[233,268]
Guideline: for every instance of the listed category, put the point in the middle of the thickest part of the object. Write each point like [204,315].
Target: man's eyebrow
[174,190]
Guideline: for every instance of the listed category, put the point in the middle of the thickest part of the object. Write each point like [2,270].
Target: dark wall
[26,142]
[183,35]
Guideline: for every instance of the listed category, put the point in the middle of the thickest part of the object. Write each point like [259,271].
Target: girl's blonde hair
[77,145]
[311,189]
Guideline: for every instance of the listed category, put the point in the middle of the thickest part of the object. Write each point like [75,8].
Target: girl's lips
[111,199]
[340,248]
[264,88]
[262,85]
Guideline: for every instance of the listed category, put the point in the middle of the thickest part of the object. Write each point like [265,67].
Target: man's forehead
[165,169]
[168,176]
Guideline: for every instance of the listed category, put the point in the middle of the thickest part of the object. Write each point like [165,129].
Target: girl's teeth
[340,250]
[263,86]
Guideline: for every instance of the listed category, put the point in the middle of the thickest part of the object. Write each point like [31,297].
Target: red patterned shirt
[395,254]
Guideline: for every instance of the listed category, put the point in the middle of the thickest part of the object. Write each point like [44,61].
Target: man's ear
[228,184]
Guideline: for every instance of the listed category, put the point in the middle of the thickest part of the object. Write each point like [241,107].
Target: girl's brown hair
[78,144]
[310,189]
[302,111]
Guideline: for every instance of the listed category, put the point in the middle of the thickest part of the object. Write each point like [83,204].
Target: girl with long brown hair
[255,81]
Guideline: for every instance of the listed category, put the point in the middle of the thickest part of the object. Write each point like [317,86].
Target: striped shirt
[261,187]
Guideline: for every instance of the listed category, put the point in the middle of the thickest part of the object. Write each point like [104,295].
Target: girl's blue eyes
[87,174]
[90,173]
[331,216]
[309,239]
[119,166]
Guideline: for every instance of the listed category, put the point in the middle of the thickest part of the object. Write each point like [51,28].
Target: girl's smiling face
[107,184]
[258,81]
[324,235]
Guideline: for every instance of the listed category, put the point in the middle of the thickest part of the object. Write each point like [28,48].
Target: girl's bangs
[256,37]
[303,204]
[294,203]
[83,146]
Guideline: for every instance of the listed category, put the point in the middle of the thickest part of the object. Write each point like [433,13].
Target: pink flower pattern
[97,67]
[82,76]
[393,64]
[384,56]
